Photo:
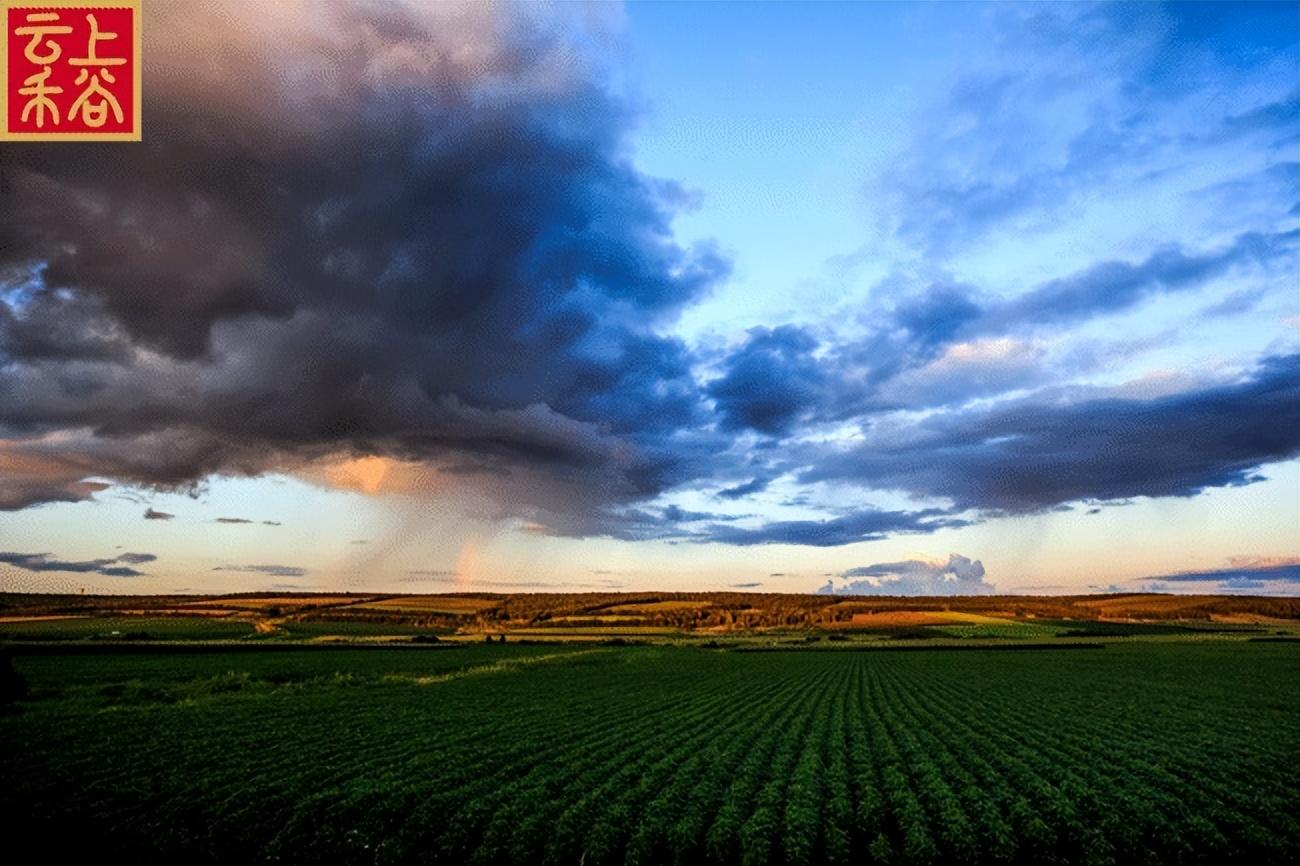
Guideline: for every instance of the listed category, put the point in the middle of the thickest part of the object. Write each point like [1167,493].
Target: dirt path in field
[501,667]
[50,618]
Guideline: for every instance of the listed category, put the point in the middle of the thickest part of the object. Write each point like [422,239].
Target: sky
[887,298]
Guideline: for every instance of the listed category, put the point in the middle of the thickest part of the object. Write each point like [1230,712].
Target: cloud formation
[108,567]
[959,575]
[272,570]
[769,382]
[406,249]
[740,491]
[1241,573]
[136,558]
[1032,454]
[433,205]
[1071,100]
[864,525]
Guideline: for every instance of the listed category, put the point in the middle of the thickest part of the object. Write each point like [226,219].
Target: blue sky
[896,297]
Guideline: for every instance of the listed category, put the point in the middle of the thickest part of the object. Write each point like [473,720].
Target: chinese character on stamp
[70,70]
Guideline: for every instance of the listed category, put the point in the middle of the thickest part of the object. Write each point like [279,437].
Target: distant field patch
[314,628]
[659,606]
[949,622]
[185,611]
[601,618]
[595,631]
[1008,629]
[52,618]
[288,601]
[899,619]
[446,604]
[127,628]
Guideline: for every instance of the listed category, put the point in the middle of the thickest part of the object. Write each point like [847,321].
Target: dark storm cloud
[106,567]
[412,232]
[1034,454]
[48,326]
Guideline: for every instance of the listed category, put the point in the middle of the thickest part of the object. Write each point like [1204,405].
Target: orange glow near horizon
[364,474]
[373,475]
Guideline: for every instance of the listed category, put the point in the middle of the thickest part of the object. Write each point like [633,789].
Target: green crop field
[1141,752]
[127,628]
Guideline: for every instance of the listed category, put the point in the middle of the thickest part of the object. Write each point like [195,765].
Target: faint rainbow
[467,563]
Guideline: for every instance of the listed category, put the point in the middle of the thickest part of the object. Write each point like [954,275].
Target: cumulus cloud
[959,575]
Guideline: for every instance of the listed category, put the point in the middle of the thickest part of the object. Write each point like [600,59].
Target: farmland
[1131,750]
[724,616]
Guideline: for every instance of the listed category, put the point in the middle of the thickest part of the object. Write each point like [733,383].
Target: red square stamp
[70,70]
